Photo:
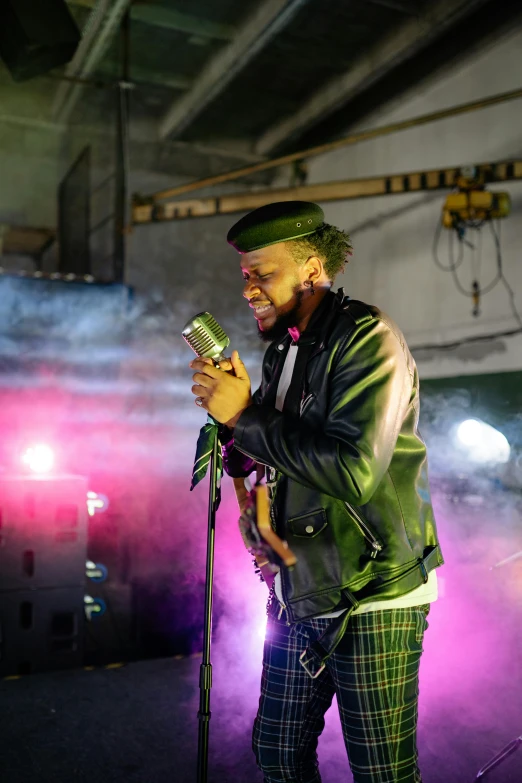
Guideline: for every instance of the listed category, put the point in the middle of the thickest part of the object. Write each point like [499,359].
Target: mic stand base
[506,751]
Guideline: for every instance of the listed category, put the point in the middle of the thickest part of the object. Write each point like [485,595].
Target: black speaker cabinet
[43,531]
[36,36]
[41,630]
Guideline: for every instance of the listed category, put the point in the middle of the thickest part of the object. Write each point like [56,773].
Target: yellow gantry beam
[435,179]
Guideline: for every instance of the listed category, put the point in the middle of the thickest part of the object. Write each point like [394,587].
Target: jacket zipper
[365,530]
[304,403]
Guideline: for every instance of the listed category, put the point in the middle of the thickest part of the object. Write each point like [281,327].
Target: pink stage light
[39,458]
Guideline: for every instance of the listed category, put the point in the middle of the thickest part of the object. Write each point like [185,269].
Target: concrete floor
[138,724]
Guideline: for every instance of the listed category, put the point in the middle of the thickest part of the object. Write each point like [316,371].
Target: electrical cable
[436,241]
[476,260]
[454,266]
[511,293]
[465,341]
[500,276]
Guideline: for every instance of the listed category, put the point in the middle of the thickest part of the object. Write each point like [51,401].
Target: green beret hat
[278,222]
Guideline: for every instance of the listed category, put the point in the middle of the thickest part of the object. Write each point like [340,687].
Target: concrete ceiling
[250,78]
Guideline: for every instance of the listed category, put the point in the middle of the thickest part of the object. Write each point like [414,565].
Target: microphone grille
[205,336]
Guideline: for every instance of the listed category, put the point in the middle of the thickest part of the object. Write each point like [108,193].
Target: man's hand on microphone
[224,392]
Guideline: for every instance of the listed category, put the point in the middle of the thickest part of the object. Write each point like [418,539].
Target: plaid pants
[374,674]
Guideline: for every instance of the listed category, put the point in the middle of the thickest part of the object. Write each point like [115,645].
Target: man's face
[274,289]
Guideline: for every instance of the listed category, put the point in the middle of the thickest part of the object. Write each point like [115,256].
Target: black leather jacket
[352,496]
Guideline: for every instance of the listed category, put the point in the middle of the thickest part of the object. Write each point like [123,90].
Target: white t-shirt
[424,594]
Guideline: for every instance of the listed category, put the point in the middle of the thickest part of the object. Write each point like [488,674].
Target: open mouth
[261,311]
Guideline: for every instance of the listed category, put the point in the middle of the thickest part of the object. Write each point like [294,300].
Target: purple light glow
[115,396]
[468,670]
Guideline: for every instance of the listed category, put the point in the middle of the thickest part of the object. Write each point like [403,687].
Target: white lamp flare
[482,442]
[39,458]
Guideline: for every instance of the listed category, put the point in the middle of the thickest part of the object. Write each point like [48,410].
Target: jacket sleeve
[369,393]
[236,463]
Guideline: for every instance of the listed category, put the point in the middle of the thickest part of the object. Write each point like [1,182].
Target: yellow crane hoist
[466,210]
[471,204]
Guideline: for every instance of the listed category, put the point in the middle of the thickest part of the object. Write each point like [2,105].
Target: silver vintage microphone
[206,337]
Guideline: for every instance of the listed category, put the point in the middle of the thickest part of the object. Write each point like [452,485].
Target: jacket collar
[319,327]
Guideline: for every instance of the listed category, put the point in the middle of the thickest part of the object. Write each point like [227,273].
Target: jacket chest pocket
[308,525]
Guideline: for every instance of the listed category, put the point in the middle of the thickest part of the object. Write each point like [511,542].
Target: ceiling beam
[159,16]
[396,5]
[146,76]
[403,42]
[183,23]
[141,136]
[267,20]
[101,28]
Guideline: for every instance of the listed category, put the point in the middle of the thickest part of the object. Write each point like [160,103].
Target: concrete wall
[188,264]
[29,174]
[393,264]
[184,267]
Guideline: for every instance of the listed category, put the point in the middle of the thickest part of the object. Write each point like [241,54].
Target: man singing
[335,422]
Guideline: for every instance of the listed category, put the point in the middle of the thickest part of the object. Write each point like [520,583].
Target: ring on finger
[199,401]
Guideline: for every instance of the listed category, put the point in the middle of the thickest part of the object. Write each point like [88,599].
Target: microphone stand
[207,339]
[205,672]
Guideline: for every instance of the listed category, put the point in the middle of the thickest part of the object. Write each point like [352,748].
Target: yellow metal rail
[435,179]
